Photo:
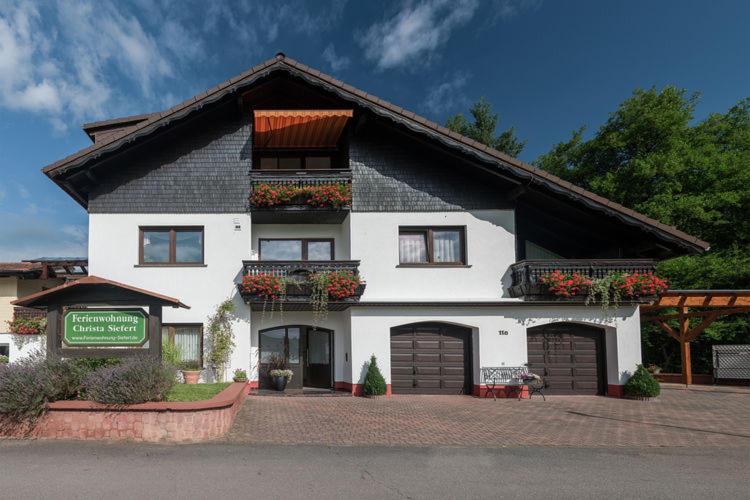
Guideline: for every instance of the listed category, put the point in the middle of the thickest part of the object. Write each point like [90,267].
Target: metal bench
[506,376]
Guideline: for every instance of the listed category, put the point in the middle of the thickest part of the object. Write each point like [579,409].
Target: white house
[448,237]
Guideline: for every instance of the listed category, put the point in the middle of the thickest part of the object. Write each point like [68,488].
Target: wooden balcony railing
[298,288]
[526,274]
[297,211]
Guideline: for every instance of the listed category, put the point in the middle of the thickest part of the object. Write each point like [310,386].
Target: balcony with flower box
[298,285]
[569,280]
[300,196]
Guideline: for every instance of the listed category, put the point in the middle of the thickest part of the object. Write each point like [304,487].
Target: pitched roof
[43,297]
[155,121]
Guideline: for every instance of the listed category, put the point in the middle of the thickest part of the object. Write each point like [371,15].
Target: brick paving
[677,418]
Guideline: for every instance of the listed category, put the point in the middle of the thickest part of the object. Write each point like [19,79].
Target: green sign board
[98,327]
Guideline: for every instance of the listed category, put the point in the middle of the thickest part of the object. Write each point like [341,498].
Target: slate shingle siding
[392,174]
[203,168]
[197,168]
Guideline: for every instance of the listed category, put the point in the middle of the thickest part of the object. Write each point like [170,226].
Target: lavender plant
[136,380]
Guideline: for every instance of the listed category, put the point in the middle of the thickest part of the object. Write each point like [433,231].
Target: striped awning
[309,128]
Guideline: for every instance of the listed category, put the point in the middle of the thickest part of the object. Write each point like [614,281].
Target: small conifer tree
[374,381]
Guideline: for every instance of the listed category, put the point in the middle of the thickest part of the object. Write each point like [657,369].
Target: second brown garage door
[570,357]
[430,358]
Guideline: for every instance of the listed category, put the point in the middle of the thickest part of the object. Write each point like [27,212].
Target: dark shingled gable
[200,167]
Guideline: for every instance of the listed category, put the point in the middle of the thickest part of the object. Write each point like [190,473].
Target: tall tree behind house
[483,129]
[651,156]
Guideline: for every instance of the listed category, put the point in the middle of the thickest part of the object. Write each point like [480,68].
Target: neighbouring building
[19,279]
[285,176]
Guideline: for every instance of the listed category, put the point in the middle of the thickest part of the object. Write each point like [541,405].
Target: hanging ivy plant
[605,290]
[319,295]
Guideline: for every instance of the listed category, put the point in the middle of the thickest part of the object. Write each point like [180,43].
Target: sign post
[105,328]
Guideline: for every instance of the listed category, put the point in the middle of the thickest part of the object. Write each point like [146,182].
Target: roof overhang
[308,128]
[92,284]
[497,161]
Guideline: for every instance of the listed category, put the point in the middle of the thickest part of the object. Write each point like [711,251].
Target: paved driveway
[677,418]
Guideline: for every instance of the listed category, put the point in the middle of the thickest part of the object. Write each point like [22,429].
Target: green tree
[650,155]
[483,129]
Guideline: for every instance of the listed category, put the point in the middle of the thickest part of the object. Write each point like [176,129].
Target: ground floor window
[4,350]
[187,338]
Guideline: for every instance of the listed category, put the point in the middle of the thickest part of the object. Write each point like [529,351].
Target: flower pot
[279,383]
[239,379]
[191,376]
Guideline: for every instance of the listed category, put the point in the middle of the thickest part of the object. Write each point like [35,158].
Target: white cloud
[72,60]
[415,31]
[447,95]
[337,62]
[506,9]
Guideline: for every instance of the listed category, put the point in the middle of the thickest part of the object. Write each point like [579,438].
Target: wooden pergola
[702,306]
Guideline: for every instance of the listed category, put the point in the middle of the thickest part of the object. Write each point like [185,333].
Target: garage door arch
[570,356]
[431,358]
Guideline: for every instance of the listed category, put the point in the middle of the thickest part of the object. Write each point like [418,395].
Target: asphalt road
[35,469]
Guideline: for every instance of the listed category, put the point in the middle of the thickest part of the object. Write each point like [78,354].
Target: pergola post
[714,302]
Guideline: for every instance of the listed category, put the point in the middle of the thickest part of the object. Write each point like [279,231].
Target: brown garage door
[569,356]
[430,358]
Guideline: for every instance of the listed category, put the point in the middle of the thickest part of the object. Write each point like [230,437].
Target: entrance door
[318,359]
[569,356]
[307,350]
[431,358]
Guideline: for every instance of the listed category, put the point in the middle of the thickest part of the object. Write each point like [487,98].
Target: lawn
[195,392]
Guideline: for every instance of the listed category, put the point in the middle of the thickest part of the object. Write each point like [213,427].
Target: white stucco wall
[21,346]
[370,333]
[490,242]
[113,254]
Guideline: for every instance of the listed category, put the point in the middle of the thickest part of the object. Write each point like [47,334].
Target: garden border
[177,422]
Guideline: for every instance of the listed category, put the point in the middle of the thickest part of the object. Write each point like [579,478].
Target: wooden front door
[317,356]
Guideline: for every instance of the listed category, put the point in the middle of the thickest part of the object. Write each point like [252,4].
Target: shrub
[374,381]
[240,375]
[29,384]
[3,359]
[136,380]
[171,354]
[642,384]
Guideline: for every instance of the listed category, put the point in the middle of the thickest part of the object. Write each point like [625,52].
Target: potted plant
[191,371]
[240,375]
[654,369]
[278,371]
[280,378]
[642,385]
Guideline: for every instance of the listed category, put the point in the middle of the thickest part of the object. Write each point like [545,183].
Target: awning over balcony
[309,128]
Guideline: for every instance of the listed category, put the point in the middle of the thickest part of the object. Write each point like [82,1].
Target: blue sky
[548,66]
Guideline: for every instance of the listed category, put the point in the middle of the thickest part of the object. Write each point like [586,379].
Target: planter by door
[279,383]
[308,351]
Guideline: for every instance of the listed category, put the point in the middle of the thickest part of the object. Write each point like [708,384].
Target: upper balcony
[297,280]
[527,275]
[300,196]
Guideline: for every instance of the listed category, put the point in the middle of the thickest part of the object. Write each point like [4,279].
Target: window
[296,249]
[5,350]
[171,246]
[281,341]
[295,162]
[432,246]
[187,338]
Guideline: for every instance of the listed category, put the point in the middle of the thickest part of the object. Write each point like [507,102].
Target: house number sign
[502,332]
[108,328]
